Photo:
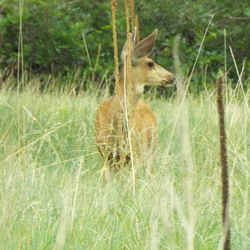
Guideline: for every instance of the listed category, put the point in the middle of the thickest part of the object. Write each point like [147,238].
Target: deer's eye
[151,64]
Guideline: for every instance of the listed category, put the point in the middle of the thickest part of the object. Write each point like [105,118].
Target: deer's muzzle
[169,81]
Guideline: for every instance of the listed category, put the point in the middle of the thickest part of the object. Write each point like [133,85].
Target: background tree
[53,43]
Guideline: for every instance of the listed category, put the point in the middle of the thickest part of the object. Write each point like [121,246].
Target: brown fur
[112,132]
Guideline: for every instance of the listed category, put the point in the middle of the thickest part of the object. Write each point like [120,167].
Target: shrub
[53,43]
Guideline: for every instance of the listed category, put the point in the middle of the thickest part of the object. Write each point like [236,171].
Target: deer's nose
[170,80]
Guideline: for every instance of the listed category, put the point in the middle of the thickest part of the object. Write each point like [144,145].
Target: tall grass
[52,195]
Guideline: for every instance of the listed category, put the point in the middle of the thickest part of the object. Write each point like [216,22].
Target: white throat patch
[139,89]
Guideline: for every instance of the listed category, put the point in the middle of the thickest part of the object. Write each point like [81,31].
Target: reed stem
[224,164]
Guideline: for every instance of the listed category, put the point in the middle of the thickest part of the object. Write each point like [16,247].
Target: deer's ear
[129,45]
[145,46]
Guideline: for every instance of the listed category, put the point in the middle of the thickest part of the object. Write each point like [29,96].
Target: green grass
[52,194]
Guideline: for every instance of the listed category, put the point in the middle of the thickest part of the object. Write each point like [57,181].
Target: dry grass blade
[186,144]
[128,85]
[87,51]
[113,9]
[132,9]
[137,26]
[199,51]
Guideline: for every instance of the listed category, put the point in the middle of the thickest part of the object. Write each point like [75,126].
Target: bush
[53,43]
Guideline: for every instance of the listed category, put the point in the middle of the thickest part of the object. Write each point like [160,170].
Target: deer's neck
[129,93]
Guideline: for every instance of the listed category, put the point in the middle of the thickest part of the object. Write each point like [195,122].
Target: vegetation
[52,194]
[53,32]
[56,65]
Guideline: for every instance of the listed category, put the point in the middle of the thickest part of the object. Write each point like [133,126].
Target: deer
[125,125]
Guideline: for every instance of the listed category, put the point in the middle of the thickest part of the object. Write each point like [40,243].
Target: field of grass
[52,195]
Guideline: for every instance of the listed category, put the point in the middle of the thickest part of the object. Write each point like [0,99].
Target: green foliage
[53,43]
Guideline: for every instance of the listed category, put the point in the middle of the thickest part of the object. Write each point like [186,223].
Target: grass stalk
[137,26]
[199,51]
[132,11]
[96,62]
[186,145]
[128,88]
[20,76]
[224,165]
[113,9]
[239,83]
[86,50]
